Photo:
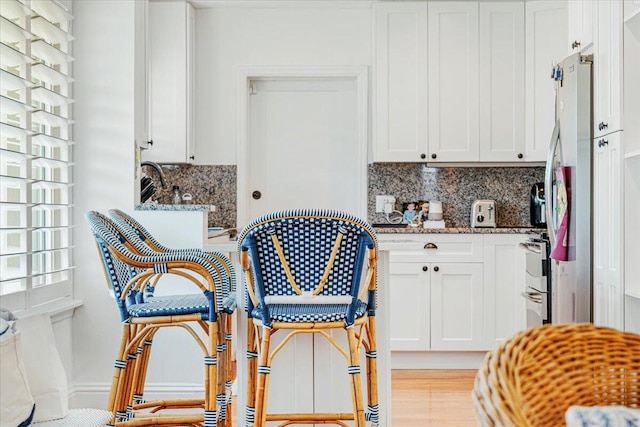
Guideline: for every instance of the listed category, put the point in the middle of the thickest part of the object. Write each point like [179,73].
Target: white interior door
[302,145]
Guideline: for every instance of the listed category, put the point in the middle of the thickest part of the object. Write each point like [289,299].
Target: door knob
[256,195]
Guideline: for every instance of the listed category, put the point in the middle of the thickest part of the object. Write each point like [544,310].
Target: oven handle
[531,247]
[534,297]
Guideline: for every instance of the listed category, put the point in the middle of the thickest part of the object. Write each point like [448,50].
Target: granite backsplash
[456,188]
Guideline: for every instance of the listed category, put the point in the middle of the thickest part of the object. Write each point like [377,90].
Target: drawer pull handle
[430,246]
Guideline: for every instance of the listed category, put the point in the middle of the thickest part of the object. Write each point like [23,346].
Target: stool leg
[211,376]
[252,368]
[372,374]
[221,398]
[263,373]
[356,385]
[228,375]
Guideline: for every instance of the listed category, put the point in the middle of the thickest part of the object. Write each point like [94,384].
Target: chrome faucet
[158,169]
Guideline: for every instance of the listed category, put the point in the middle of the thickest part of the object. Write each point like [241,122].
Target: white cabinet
[581,24]
[504,276]
[452,292]
[400,82]
[457,306]
[502,77]
[546,30]
[410,306]
[608,296]
[607,68]
[453,81]
[170,73]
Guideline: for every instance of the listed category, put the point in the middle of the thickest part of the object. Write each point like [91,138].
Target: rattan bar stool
[143,242]
[304,273]
[129,275]
[533,378]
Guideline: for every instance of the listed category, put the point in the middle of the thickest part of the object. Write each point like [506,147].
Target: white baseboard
[96,395]
[437,359]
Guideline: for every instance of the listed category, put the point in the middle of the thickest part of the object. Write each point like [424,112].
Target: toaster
[483,213]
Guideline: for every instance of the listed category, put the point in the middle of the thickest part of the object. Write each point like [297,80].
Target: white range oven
[538,280]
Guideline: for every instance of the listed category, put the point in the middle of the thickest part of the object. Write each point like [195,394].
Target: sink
[388,225]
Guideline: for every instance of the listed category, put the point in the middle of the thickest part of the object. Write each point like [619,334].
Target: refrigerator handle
[549,203]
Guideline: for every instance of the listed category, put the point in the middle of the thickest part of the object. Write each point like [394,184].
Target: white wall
[104,176]
[230,37]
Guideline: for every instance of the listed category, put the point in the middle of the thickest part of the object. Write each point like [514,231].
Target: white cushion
[16,402]
[45,372]
[602,416]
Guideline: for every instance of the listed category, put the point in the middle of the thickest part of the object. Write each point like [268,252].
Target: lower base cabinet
[468,302]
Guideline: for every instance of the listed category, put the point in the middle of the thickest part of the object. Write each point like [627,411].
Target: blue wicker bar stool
[129,275]
[143,242]
[304,273]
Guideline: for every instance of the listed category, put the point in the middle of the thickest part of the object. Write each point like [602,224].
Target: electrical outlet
[385,204]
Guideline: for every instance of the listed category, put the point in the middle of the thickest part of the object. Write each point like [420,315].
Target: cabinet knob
[423,156]
[602,125]
[436,268]
[256,195]
[520,155]
[602,143]
[434,155]
[430,246]
[575,44]
[150,142]
[192,157]
[425,268]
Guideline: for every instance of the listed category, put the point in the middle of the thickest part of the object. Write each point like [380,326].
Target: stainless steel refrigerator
[568,173]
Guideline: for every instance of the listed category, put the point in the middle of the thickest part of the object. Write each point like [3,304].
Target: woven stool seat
[171,306]
[310,312]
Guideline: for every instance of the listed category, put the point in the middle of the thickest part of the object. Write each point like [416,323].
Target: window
[35,152]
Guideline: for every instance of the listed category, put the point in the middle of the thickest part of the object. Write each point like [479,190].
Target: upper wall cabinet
[170,51]
[450,80]
[502,77]
[581,24]
[453,82]
[546,25]
[607,68]
[400,82]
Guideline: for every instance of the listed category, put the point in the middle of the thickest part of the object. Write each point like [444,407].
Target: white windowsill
[58,310]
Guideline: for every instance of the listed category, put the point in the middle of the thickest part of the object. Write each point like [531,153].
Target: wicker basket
[536,375]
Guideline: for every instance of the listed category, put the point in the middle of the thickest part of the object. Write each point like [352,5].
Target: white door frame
[248,73]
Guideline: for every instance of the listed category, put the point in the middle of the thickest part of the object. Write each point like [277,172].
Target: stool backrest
[117,272]
[304,252]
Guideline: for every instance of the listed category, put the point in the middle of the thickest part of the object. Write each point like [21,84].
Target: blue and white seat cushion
[602,416]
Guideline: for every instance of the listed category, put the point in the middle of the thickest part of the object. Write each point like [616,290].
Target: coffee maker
[537,208]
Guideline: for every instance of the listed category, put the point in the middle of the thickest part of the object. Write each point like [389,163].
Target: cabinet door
[607,68]
[141,73]
[457,306]
[502,75]
[504,279]
[409,306]
[170,26]
[401,82]
[453,81]
[607,219]
[546,31]
[581,24]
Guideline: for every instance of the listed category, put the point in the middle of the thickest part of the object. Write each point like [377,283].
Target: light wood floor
[430,398]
